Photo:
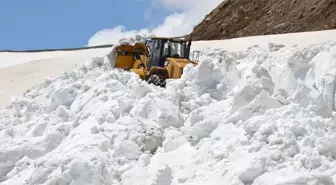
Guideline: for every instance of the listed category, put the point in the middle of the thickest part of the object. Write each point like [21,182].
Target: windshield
[174,49]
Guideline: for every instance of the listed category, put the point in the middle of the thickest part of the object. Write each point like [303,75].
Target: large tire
[157,80]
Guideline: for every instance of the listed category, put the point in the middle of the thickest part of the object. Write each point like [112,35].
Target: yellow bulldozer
[156,60]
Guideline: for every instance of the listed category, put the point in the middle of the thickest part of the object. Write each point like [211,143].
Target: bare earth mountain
[241,18]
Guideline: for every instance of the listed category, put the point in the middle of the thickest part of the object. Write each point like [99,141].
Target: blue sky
[37,24]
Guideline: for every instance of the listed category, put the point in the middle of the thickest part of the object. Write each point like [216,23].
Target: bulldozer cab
[163,48]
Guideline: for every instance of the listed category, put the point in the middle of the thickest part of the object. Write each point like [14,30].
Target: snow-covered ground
[9,59]
[20,71]
[302,39]
[254,117]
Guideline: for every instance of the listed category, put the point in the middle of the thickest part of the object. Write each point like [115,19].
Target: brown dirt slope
[241,18]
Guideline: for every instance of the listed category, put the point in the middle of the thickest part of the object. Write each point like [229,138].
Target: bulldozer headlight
[166,63]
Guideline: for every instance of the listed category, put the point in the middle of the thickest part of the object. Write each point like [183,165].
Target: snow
[9,59]
[274,42]
[19,72]
[252,117]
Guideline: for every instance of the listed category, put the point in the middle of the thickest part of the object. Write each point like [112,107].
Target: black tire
[157,80]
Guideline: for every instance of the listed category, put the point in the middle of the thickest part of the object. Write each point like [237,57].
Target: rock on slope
[241,18]
[241,120]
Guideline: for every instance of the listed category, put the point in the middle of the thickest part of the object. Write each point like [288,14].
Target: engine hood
[180,62]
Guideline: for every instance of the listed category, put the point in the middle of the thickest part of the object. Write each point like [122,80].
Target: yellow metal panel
[176,66]
[144,60]
[174,71]
[140,72]
[137,62]
[125,48]
[140,47]
[126,55]
[181,62]
[124,62]
[177,72]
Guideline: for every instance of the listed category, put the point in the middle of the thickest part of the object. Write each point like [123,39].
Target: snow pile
[136,39]
[253,117]
[76,128]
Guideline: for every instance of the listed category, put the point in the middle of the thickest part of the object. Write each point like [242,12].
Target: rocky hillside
[240,18]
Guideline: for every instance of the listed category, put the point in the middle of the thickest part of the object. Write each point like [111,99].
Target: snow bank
[24,70]
[271,42]
[252,117]
[10,59]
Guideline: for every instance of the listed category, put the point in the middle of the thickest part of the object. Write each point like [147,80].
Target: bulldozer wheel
[157,80]
[158,76]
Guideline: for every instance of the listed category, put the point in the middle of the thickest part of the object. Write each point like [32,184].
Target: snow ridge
[252,117]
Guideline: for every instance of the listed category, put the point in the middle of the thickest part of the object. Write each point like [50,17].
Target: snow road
[9,59]
[302,39]
[21,71]
[252,117]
